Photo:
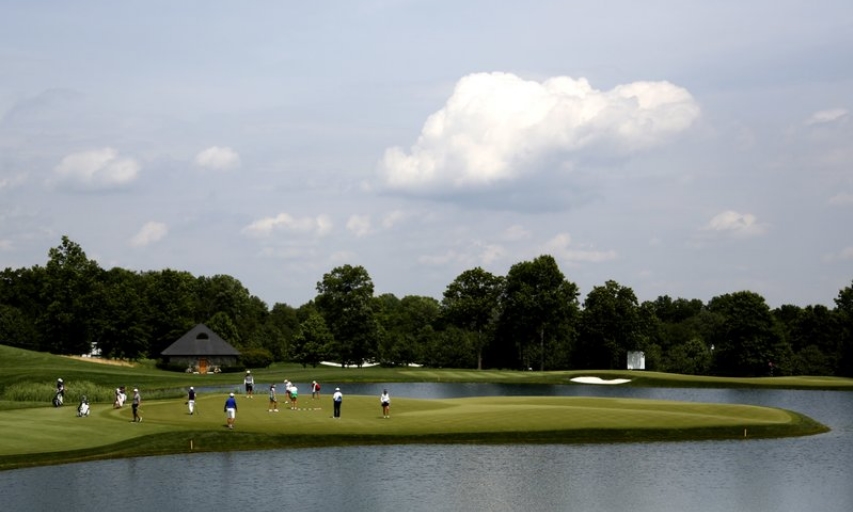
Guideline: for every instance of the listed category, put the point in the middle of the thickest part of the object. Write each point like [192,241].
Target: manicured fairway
[52,435]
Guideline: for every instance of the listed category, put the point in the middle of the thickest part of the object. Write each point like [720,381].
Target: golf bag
[83,408]
[121,398]
[58,398]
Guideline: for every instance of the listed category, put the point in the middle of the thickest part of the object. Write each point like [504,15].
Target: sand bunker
[363,365]
[599,380]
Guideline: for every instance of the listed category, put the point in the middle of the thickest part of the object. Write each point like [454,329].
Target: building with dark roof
[202,350]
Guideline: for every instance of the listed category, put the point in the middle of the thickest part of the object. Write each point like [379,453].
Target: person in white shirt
[294,396]
[385,400]
[249,381]
[337,398]
[273,400]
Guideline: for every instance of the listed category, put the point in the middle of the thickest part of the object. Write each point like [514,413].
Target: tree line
[530,319]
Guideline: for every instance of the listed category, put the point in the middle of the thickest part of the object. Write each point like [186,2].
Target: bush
[43,392]
[256,358]
[171,367]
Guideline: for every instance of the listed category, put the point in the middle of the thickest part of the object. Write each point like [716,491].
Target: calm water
[805,474]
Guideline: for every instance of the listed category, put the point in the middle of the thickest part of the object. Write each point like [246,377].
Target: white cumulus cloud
[736,224]
[13,181]
[359,225]
[319,226]
[827,116]
[841,198]
[393,218]
[218,158]
[96,169]
[842,255]
[496,127]
[560,246]
[149,233]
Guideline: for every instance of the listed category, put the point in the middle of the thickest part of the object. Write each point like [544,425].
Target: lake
[801,474]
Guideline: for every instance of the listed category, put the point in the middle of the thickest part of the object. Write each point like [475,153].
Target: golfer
[273,399]
[191,400]
[230,411]
[337,398]
[294,396]
[315,390]
[135,404]
[249,381]
[60,392]
[385,400]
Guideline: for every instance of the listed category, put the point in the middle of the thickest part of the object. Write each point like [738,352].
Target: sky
[681,148]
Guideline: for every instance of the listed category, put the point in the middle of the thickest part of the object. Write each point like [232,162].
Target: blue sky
[688,149]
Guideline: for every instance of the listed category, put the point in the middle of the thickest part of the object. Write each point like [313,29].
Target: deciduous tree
[472,302]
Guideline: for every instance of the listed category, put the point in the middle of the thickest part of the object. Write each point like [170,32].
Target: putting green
[56,435]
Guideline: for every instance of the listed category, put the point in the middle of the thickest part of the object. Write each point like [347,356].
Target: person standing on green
[385,400]
[191,400]
[273,400]
[135,404]
[230,411]
[337,398]
[249,382]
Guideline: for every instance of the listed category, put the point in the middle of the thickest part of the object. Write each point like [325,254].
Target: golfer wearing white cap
[191,400]
[337,398]
[230,411]
[135,405]
[249,381]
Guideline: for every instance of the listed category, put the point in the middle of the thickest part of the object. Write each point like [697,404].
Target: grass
[36,433]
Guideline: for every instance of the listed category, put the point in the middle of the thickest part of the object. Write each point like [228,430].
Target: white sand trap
[363,365]
[599,380]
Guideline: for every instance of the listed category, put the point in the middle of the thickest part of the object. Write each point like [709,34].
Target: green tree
[16,329]
[119,324]
[450,348]
[226,294]
[20,301]
[170,296]
[814,334]
[691,358]
[345,299]
[66,294]
[314,341]
[610,326]
[472,302]
[745,338]
[844,311]
[540,309]
[221,324]
[407,327]
[278,331]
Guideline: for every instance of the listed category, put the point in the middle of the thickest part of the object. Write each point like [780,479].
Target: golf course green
[34,433]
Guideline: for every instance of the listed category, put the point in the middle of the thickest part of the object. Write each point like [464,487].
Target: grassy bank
[36,433]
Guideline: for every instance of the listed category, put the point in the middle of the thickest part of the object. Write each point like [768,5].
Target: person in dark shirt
[191,400]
